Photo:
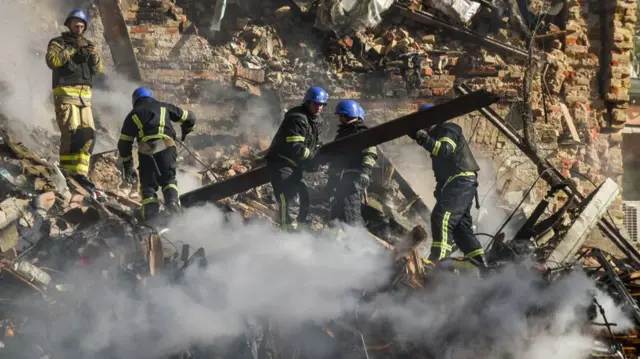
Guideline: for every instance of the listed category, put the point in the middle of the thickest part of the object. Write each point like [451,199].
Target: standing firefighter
[292,151]
[74,61]
[147,123]
[351,172]
[455,170]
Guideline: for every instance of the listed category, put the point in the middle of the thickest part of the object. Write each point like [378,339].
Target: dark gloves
[91,48]
[364,180]
[419,136]
[130,176]
[313,161]
[185,132]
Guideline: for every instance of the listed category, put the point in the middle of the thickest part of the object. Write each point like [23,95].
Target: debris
[595,209]
[8,237]
[569,121]
[350,15]
[32,273]
[429,19]
[460,10]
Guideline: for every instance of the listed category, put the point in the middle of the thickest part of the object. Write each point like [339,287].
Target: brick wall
[172,59]
[583,71]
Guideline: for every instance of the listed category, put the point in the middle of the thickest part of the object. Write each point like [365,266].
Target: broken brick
[139,29]
[45,201]
[245,85]
[254,75]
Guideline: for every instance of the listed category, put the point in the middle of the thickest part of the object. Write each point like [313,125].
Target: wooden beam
[569,121]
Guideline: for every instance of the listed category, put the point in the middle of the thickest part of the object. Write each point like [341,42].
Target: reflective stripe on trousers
[77,137]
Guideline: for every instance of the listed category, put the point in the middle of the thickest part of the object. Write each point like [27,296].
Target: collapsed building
[553,81]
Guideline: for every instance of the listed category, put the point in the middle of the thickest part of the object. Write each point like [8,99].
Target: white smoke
[255,273]
[24,77]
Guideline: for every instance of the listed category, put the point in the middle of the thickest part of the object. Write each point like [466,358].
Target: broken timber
[372,137]
[465,34]
[597,205]
[414,201]
[606,227]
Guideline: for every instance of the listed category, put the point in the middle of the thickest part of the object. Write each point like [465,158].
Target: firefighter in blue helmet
[74,61]
[455,170]
[147,123]
[292,151]
[350,172]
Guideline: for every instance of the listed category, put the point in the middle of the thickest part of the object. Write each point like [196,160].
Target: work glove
[185,132]
[313,161]
[129,172]
[91,48]
[364,180]
[420,136]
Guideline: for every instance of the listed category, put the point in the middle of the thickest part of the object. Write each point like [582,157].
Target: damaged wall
[240,79]
[578,108]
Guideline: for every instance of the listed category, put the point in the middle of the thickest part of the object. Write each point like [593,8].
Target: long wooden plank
[372,137]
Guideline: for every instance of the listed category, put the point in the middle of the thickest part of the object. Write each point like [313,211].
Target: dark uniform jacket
[147,122]
[353,161]
[73,67]
[295,140]
[450,153]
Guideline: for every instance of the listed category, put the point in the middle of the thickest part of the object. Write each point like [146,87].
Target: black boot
[481,263]
[173,208]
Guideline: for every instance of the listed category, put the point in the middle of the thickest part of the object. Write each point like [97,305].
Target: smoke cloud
[25,80]
[256,273]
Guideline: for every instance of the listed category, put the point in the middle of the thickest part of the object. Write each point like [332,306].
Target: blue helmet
[425,106]
[316,94]
[360,112]
[141,92]
[349,108]
[77,14]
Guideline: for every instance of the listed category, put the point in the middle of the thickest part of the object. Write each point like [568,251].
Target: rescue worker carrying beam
[351,172]
[74,61]
[292,151]
[147,123]
[455,170]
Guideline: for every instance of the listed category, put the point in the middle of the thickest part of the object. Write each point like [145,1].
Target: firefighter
[351,172]
[74,61]
[455,170]
[147,123]
[292,151]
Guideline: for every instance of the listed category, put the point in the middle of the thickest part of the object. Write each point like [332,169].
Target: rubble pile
[50,231]
[258,51]
[53,227]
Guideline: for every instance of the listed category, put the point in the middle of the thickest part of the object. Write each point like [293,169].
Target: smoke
[513,314]
[242,111]
[25,80]
[187,180]
[255,273]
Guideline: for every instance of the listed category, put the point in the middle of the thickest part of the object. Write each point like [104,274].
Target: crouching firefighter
[350,172]
[293,151]
[147,123]
[74,61]
[455,170]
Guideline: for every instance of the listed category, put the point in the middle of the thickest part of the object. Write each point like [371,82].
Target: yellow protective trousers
[77,136]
